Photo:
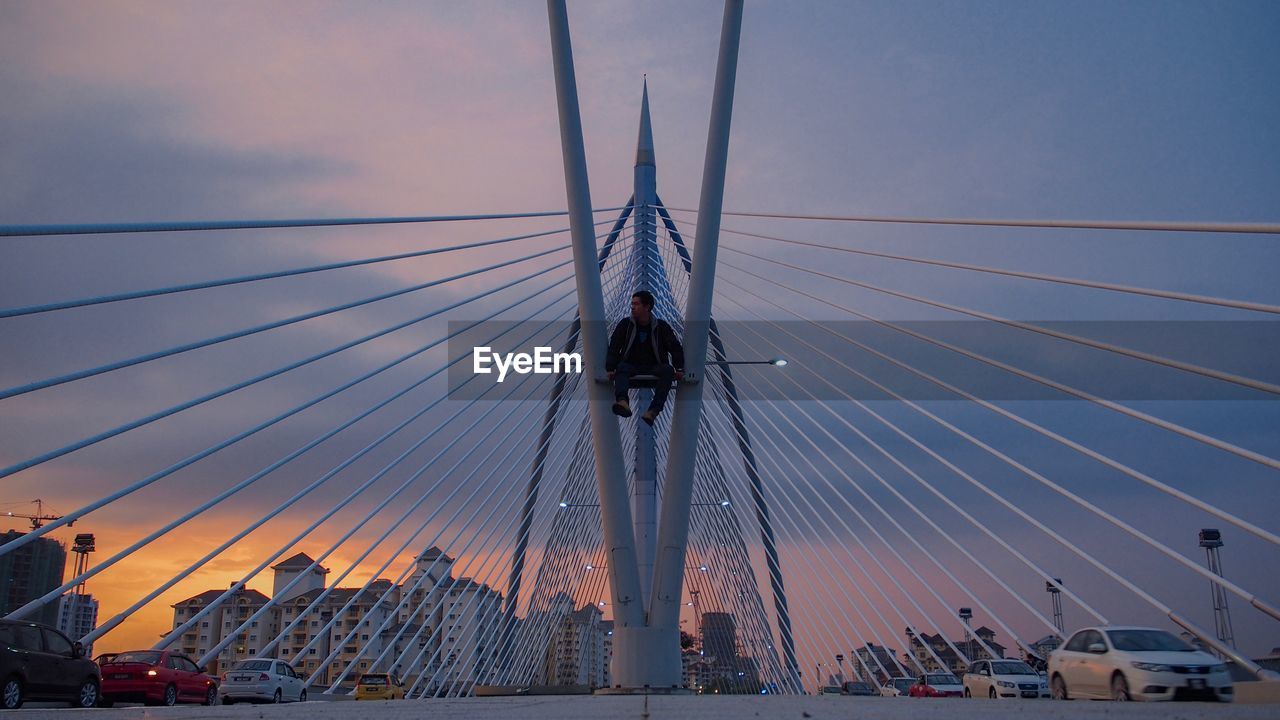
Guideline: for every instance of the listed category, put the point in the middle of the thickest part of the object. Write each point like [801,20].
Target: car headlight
[1004,684]
[1152,667]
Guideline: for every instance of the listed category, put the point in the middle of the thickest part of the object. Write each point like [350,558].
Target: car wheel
[170,696]
[87,695]
[302,697]
[1119,688]
[11,694]
[992,694]
[278,697]
[228,701]
[1058,688]
[211,697]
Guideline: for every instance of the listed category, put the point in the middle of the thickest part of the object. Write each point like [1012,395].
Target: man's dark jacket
[663,338]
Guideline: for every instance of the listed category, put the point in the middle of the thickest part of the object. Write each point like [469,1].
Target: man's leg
[665,374]
[621,384]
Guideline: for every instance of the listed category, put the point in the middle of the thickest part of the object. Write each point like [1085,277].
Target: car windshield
[1147,641]
[903,683]
[859,686]
[1012,668]
[263,665]
[373,679]
[149,657]
[943,680]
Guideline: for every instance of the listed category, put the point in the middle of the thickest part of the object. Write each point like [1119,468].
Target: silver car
[1136,663]
[261,680]
[1002,678]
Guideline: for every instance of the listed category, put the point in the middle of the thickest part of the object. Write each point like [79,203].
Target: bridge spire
[650,275]
[644,144]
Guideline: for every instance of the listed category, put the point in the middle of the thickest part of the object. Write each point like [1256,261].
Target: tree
[686,640]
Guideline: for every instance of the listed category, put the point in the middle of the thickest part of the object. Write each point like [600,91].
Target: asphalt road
[680,708]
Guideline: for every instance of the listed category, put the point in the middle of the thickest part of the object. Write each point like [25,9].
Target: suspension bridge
[834,495]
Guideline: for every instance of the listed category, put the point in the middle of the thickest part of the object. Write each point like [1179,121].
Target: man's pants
[661,387]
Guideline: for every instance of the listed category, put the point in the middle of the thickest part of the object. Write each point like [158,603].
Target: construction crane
[38,520]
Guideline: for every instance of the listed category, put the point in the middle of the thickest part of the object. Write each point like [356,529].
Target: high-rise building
[577,653]
[30,572]
[78,616]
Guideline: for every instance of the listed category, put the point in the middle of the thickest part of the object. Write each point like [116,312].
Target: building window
[312,651]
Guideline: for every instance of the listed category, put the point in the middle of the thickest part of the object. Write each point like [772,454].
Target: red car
[155,677]
[934,685]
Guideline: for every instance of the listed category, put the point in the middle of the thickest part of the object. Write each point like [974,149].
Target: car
[380,686]
[897,687]
[262,680]
[933,685]
[858,688]
[40,663]
[155,677]
[830,690]
[1001,678]
[1136,663]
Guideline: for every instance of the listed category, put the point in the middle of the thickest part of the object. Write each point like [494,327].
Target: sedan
[937,685]
[858,688]
[262,680]
[155,677]
[996,679]
[897,687]
[1136,663]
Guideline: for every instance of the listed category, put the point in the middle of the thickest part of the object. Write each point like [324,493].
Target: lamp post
[966,614]
[1211,541]
[84,544]
[1056,593]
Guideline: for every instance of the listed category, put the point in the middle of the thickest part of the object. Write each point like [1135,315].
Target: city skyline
[143,112]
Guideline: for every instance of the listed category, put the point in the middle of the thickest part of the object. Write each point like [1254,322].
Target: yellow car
[380,686]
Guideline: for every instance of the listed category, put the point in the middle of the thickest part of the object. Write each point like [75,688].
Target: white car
[1000,678]
[261,680]
[897,687]
[1136,663]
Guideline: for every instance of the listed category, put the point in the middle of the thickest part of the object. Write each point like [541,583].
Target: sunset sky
[151,111]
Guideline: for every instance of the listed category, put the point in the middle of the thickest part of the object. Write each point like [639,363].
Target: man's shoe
[622,408]
[649,416]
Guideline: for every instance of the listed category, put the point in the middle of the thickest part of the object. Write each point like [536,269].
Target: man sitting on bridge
[640,346]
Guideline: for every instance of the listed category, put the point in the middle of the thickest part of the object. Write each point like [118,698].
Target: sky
[154,111]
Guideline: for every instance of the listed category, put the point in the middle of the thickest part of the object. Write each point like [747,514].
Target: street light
[966,614]
[776,362]
[1055,592]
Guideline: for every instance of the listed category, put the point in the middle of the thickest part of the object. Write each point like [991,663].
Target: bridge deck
[700,708]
